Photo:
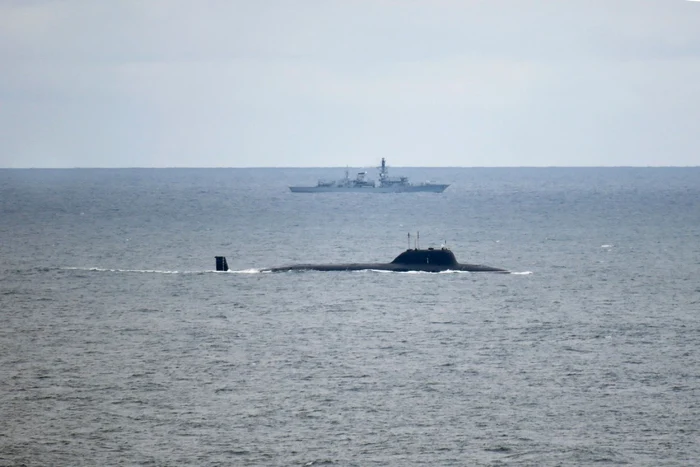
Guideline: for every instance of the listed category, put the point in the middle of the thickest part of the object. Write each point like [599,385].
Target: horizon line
[363,167]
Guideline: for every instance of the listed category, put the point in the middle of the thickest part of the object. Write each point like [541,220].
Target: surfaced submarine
[425,260]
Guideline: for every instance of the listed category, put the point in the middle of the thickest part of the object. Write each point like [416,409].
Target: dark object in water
[430,260]
[221,264]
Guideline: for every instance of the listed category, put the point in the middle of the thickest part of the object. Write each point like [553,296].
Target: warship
[361,184]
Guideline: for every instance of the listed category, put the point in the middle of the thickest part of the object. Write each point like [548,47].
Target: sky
[335,83]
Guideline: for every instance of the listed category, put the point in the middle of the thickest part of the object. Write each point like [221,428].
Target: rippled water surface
[120,346]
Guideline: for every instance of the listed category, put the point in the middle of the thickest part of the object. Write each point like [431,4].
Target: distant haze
[177,83]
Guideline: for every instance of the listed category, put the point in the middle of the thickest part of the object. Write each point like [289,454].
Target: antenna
[417,240]
[409,240]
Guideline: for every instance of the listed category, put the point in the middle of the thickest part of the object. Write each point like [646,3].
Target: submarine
[413,259]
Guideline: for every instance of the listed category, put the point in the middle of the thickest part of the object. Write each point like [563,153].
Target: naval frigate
[361,184]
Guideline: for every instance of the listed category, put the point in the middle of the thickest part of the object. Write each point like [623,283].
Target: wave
[245,271]
[161,271]
[142,271]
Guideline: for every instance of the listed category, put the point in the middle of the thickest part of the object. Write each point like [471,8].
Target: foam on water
[140,271]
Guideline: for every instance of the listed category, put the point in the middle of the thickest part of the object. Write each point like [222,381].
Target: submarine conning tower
[221,264]
[441,257]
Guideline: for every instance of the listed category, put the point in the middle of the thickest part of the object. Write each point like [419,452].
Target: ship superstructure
[361,184]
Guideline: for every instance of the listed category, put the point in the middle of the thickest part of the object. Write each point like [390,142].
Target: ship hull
[388,267]
[430,260]
[436,188]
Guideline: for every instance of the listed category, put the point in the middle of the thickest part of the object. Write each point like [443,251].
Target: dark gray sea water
[119,345]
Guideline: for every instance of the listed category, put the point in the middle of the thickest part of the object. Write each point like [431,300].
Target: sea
[120,344]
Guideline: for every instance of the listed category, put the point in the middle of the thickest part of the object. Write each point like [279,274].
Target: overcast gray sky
[298,83]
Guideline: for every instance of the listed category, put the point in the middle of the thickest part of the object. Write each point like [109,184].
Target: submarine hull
[388,267]
[430,260]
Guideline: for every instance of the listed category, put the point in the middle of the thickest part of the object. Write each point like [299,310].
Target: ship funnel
[221,264]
